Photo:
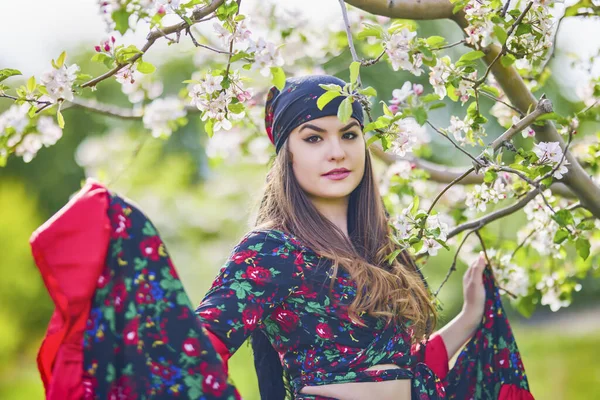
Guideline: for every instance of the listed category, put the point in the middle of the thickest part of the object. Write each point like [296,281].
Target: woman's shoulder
[274,237]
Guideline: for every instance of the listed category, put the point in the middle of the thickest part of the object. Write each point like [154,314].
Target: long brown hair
[394,292]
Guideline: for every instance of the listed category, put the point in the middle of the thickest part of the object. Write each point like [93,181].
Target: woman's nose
[336,150]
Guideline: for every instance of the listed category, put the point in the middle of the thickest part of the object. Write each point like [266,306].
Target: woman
[310,283]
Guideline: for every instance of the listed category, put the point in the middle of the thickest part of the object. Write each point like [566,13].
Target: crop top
[273,283]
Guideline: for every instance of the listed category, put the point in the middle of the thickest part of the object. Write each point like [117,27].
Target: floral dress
[272,282]
[123,327]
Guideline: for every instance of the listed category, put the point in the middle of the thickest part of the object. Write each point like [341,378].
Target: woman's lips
[337,175]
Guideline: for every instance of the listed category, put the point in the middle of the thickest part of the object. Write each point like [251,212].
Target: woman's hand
[458,331]
[474,291]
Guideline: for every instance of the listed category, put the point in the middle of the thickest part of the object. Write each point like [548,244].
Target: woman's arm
[458,331]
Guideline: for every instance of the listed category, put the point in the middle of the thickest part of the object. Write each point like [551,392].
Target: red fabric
[436,355]
[219,347]
[513,392]
[69,250]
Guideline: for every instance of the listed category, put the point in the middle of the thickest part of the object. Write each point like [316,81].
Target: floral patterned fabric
[273,283]
[142,339]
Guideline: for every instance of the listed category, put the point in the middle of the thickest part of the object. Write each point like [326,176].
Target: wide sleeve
[436,355]
[259,274]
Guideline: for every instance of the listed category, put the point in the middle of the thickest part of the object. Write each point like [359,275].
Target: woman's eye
[312,139]
[352,135]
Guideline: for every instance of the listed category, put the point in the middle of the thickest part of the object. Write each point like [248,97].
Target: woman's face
[321,146]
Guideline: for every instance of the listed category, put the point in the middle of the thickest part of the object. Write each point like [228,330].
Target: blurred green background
[203,206]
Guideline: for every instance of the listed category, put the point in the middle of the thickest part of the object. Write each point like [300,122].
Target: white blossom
[548,152]
[430,246]
[438,76]
[511,277]
[266,55]
[457,128]
[158,114]
[406,131]
[59,83]
[16,118]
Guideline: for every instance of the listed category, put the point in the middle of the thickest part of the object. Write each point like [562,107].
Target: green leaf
[325,98]
[61,59]
[345,110]
[31,84]
[354,71]
[236,108]
[563,217]
[525,306]
[507,60]
[500,33]
[331,86]
[278,77]
[145,67]
[451,90]
[583,247]
[238,56]
[8,72]
[523,29]
[121,18]
[368,91]
[420,115]
[491,90]
[470,57]
[208,127]
[490,176]
[436,106]
[370,30]
[415,205]
[560,236]
[435,41]
[60,119]
[372,140]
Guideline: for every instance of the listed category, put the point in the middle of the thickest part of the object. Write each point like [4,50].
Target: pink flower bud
[98,49]
[113,39]
[106,47]
[161,10]
[418,89]
[393,108]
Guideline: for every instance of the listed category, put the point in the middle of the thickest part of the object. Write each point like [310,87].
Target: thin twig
[483,92]
[368,63]
[504,46]
[453,266]
[349,36]
[449,45]
[533,232]
[453,143]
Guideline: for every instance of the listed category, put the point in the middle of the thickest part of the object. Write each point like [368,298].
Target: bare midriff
[386,390]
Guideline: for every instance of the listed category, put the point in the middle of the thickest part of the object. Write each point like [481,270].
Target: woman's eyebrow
[316,128]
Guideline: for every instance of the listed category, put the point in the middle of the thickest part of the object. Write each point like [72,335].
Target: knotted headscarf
[297,104]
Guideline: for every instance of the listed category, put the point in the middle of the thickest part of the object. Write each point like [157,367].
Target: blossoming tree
[504,57]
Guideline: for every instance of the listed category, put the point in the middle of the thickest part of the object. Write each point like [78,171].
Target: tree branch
[444,174]
[153,36]
[420,9]
[486,219]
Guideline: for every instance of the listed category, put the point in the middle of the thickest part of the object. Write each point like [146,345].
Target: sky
[35,31]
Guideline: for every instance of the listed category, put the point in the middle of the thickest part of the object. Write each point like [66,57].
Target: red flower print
[286,319]
[89,384]
[149,248]
[123,389]
[250,317]
[345,349]
[103,279]
[424,396]
[324,331]
[241,256]
[119,222]
[191,347]
[306,292]
[502,358]
[172,270]
[214,382]
[117,296]
[210,313]
[259,275]
[130,335]
[439,387]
